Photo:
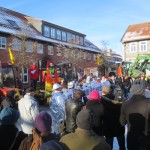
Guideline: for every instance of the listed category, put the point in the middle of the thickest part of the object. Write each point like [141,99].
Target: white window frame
[29,46]
[53,33]
[64,36]
[50,50]
[94,57]
[25,73]
[3,42]
[46,31]
[40,48]
[143,46]
[133,47]
[58,34]
[16,44]
[89,56]
[59,52]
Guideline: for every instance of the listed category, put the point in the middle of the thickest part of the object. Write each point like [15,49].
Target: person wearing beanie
[94,104]
[133,113]
[10,137]
[40,134]
[28,109]
[84,138]
[73,106]
[111,125]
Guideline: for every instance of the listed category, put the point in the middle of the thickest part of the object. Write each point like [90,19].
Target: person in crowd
[73,106]
[52,145]
[84,138]
[143,82]
[105,81]
[10,137]
[70,89]
[10,100]
[40,134]
[28,109]
[133,112]
[126,86]
[96,108]
[111,125]
[57,107]
[112,77]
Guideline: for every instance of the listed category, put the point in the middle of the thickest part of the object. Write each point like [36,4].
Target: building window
[29,46]
[81,41]
[50,50]
[143,46]
[89,56]
[64,36]
[73,39]
[59,51]
[58,34]
[13,23]
[94,57]
[40,48]
[77,39]
[46,31]
[16,44]
[25,75]
[68,37]
[53,33]
[133,47]
[2,42]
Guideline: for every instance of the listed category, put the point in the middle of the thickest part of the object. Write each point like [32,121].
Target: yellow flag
[12,58]
[98,59]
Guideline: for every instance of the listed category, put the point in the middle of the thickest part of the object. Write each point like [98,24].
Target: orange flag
[48,77]
[119,70]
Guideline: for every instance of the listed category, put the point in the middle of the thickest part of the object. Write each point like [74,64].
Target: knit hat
[106,89]
[84,119]
[43,121]
[29,90]
[137,89]
[8,116]
[51,145]
[94,95]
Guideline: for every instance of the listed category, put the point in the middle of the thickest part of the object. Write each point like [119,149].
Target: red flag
[56,79]
[48,64]
[48,77]
[119,70]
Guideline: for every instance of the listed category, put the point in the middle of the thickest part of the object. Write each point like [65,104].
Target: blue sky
[99,20]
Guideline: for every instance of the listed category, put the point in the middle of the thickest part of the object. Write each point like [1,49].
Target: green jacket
[84,140]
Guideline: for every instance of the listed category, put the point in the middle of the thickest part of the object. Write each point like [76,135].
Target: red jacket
[33,72]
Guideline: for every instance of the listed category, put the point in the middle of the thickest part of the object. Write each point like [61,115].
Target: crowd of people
[83,115]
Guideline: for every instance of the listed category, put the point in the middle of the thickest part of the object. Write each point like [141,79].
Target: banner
[11,56]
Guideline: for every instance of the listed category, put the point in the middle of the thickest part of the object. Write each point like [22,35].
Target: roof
[137,32]
[116,55]
[24,28]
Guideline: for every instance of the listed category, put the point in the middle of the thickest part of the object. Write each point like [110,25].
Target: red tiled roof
[137,32]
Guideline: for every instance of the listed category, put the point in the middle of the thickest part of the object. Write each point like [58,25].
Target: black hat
[84,119]
[29,90]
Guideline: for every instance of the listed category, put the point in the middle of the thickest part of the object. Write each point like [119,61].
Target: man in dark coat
[133,112]
[111,125]
[73,106]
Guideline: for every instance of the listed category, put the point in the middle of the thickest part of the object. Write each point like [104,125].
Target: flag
[48,77]
[11,56]
[98,59]
[119,70]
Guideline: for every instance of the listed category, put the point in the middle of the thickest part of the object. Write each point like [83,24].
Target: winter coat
[33,142]
[7,137]
[72,108]
[57,110]
[97,110]
[28,109]
[84,140]
[133,112]
[111,124]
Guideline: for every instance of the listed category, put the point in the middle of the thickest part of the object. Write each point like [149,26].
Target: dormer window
[13,23]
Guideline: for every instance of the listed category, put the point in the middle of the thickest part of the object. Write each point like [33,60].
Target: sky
[104,22]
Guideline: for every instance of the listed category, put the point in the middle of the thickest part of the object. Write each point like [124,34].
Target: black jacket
[97,110]
[72,108]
